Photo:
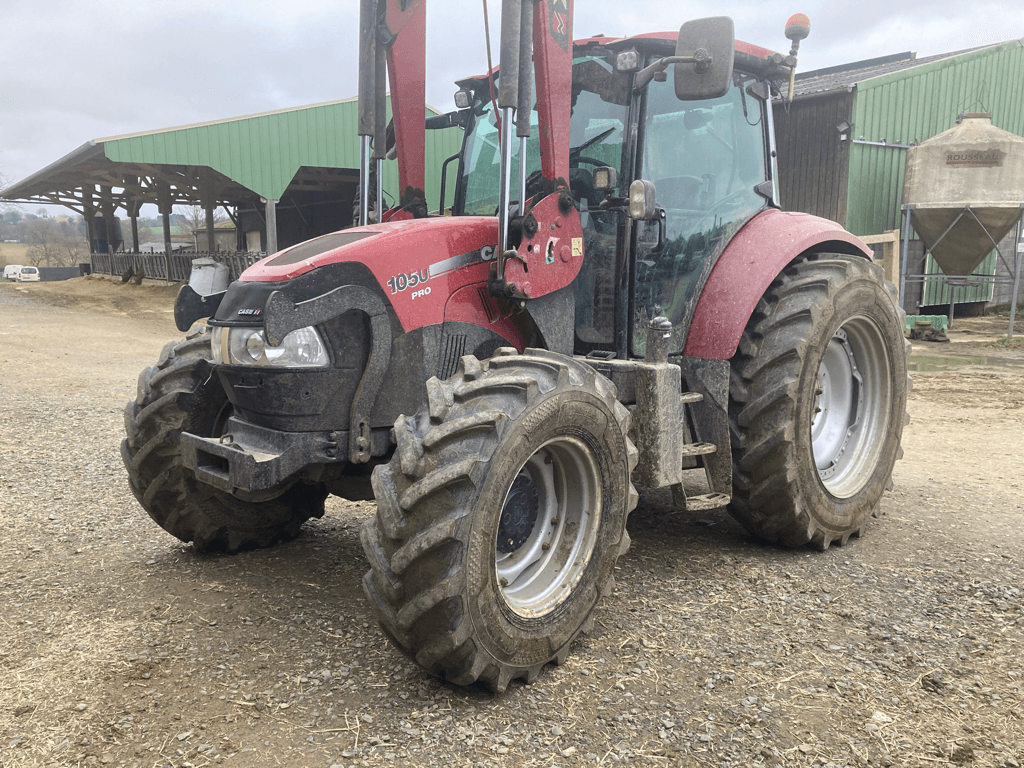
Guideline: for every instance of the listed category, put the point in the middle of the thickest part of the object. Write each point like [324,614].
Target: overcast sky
[71,71]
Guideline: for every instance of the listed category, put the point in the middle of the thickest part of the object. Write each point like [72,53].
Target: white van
[11,271]
[28,275]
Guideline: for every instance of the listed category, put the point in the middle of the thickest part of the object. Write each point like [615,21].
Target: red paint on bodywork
[552,53]
[473,304]
[552,258]
[740,45]
[402,248]
[407,75]
[747,266]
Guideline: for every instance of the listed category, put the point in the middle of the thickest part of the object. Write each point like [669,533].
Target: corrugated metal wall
[813,162]
[1008,247]
[914,105]
[263,152]
[936,290]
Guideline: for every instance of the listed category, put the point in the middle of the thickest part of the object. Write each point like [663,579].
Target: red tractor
[616,299]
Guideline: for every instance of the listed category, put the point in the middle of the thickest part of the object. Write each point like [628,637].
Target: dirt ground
[119,646]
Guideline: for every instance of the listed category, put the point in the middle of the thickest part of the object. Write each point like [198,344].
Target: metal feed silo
[964,189]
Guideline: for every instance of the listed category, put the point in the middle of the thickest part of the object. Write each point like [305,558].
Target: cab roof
[749,57]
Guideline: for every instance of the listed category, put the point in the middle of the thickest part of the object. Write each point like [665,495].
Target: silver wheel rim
[548,527]
[851,407]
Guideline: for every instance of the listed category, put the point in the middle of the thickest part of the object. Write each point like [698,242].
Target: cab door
[705,159]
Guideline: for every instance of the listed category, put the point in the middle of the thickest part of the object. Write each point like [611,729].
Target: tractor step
[707,501]
[691,397]
[698,449]
[699,501]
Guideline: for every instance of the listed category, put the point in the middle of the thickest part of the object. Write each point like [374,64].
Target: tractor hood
[417,263]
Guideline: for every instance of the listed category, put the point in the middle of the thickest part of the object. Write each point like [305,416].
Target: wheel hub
[837,406]
[548,527]
[850,408]
[519,515]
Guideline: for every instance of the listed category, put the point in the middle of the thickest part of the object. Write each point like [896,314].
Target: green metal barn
[282,176]
[842,140]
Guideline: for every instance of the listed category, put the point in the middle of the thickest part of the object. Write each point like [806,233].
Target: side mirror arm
[701,61]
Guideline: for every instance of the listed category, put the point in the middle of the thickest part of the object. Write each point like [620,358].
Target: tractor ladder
[676,431]
[708,456]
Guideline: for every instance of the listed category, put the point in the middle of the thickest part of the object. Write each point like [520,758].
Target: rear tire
[501,516]
[181,394]
[818,402]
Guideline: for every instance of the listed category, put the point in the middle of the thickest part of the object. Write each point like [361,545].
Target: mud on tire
[818,402]
[501,516]
[180,394]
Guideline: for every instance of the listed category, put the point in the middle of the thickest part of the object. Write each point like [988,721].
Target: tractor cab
[708,161]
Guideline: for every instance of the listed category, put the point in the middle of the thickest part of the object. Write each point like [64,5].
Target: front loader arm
[406,22]
[552,44]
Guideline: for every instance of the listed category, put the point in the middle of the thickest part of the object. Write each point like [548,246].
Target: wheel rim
[851,407]
[548,527]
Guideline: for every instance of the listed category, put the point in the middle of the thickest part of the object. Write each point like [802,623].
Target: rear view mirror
[708,48]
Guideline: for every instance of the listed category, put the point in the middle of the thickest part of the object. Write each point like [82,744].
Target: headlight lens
[248,346]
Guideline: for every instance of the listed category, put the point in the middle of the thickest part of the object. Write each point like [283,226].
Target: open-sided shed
[282,176]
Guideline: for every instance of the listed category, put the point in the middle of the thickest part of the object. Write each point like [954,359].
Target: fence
[175,267]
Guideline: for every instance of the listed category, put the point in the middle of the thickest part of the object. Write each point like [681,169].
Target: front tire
[501,516]
[181,394]
[818,401]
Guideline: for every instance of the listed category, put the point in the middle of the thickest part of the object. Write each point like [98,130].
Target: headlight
[248,346]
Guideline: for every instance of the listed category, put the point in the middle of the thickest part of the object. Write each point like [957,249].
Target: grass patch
[13,253]
[1007,342]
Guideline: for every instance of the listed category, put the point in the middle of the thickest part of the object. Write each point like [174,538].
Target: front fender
[748,265]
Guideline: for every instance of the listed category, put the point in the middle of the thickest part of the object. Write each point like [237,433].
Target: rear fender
[748,265]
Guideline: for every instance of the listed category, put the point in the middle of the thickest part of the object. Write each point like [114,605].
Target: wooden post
[165,204]
[208,195]
[890,242]
[211,235]
[271,206]
[132,205]
[107,206]
[89,213]
[133,210]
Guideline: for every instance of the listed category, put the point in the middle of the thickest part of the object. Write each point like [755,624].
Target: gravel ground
[119,646]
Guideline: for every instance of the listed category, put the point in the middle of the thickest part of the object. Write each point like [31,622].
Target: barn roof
[848,76]
[306,148]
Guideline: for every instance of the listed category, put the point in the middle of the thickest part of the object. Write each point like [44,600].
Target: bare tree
[53,243]
[195,216]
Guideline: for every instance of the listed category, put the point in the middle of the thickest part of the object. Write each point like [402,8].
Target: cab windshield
[706,159]
[600,105]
